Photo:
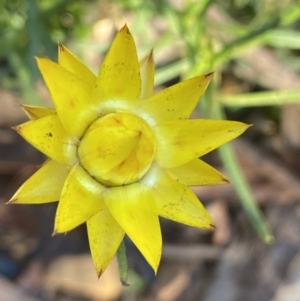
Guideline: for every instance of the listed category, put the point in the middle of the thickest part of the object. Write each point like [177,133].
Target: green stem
[241,186]
[122,263]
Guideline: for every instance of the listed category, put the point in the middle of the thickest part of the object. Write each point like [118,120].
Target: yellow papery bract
[71,96]
[147,69]
[49,136]
[73,64]
[119,76]
[34,112]
[198,173]
[179,142]
[121,156]
[176,102]
[44,186]
[175,201]
[105,236]
[81,198]
[133,207]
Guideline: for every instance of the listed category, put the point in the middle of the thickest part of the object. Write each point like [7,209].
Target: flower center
[117,149]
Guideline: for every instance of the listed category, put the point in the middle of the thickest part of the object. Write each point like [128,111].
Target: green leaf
[244,192]
[235,173]
[283,38]
[243,43]
[256,99]
[170,71]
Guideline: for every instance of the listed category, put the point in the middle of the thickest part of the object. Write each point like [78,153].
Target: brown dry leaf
[76,274]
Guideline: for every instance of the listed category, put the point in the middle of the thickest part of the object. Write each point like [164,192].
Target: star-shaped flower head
[119,155]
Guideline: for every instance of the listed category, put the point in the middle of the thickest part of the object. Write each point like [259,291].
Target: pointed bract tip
[125,29]
[155,266]
[225,180]
[61,47]
[99,273]
[24,107]
[54,232]
[212,226]
[210,74]
[16,128]
[150,56]
[244,127]
[38,59]
[11,201]
[41,60]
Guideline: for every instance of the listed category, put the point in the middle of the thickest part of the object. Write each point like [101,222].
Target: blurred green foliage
[30,28]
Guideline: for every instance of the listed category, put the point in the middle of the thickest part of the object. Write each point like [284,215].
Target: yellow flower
[120,156]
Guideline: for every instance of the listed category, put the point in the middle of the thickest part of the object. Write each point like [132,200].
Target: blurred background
[254,48]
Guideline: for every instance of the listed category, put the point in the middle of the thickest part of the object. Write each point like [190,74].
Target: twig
[191,253]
